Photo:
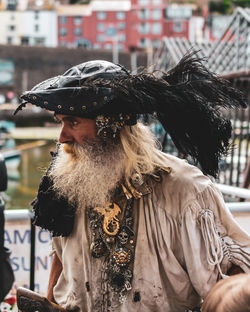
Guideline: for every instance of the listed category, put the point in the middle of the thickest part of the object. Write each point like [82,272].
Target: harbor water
[24,174]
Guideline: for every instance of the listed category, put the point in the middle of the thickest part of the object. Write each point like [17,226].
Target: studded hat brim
[78,101]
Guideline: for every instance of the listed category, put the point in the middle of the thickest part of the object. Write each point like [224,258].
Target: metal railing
[233,167]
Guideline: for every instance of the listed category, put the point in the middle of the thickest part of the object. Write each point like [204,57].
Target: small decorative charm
[110,222]
[137,179]
[125,232]
[123,237]
[109,126]
[98,248]
[110,240]
[122,256]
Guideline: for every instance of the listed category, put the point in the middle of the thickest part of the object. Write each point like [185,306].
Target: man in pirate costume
[135,229]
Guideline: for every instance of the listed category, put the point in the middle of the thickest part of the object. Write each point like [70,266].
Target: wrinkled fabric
[186,240]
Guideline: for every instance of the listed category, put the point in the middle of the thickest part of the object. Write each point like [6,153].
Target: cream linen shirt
[186,240]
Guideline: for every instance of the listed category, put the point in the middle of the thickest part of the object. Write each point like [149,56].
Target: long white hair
[143,154]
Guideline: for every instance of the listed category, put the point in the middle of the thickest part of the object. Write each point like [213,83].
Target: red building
[92,26]
[125,24]
[145,23]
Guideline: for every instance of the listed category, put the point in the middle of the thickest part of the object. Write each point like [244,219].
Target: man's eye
[74,123]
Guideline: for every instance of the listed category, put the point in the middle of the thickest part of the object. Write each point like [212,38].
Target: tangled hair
[142,150]
[229,295]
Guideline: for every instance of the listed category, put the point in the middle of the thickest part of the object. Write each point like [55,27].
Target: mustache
[96,146]
[73,149]
[69,148]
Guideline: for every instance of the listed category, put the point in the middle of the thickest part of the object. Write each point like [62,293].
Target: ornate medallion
[122,256]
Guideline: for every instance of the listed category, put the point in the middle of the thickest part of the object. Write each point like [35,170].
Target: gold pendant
[110,213]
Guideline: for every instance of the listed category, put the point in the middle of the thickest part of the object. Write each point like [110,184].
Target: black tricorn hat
[68,94]
[186,100]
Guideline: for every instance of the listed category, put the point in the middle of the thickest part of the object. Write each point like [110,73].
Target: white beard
[88,174]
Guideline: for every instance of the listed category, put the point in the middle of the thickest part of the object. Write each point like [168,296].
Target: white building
[28,23]
[10,27]
[39,28]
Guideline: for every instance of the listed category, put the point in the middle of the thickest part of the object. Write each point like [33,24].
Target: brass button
[83,107]
[45,103]
[94,103]
[105,98]
[71,108]
[59,106]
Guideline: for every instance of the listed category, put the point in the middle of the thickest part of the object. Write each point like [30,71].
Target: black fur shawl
[51,212]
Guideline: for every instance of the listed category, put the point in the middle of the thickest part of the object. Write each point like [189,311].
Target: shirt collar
[138,186]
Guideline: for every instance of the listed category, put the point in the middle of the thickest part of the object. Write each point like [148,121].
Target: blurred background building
[101,24]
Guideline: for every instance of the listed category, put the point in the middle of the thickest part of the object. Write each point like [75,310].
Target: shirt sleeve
[212,240]
[57,247]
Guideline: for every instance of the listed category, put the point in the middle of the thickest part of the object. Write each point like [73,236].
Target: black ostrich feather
[187,101]
[194,119]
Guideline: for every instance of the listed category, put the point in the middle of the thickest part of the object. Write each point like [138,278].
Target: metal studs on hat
[71,108]
[45,103]
[59,106]
[84,107]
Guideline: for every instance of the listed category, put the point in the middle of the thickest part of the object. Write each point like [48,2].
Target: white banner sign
[17,239]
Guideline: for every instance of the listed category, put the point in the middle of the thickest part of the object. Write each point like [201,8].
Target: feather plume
[187,101]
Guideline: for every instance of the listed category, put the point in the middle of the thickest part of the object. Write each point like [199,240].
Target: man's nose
[65,137]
